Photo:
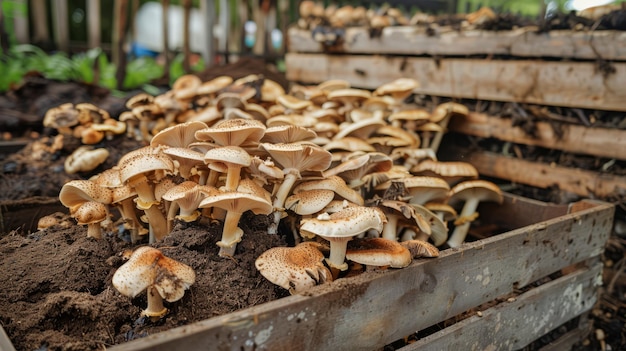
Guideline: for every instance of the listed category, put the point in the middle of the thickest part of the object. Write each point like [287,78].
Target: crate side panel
[380,307]
[513,325]
[569,84]
[524,42]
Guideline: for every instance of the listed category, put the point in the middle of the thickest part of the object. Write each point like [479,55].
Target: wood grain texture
[370,310]
[525,42]
[600,142]
[578,181]
[513,325]
[570,84]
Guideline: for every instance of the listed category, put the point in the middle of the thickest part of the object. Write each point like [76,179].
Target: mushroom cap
[298,156]
[287,134]
[89,212]
[447,109]
[234,155]
[309,201]
[348,222]
[78,191]
[293,103]
[334,183]
[238,201]
[450,171]
[333,84]
[400,85]
[419,248]
[294,268]
[437,229]
[214,85]
[447,211]
[361,129]
[179,135]
[144,163]
[229,100]
[147,267]
[140,99]
[421,189]
[482,190]
[378,252]
[233,132]
[63,116]
[410,115]
[185,86]
[84,159]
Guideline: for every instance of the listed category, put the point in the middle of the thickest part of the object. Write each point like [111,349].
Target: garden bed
[70,301]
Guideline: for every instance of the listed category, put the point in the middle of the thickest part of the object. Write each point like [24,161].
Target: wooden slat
[600,142]
[371,310]
[93,23]
[571,84]
[40,21]
[582,182]
[525,42]
[60,21]
[207,11]
[568,340]
[513,325]
[20,21]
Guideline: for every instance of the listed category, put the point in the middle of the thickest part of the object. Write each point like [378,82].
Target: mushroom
[294,159]
[450,171]
[62,118]
[294,268]
[472,192]
[234,158]
[334,183]
[399,210]
[399,89]
[185,198]
[161,277]
[86,201]
[340,227]
[419,248]
[378,252]
[141,171]
[248,197]
[84,159]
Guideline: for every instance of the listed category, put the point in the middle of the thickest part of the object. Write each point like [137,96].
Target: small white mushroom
[85,159]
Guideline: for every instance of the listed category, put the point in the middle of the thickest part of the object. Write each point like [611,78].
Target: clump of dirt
[60,294]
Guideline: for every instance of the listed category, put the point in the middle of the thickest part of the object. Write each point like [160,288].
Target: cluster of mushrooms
[350,173]
[327,23]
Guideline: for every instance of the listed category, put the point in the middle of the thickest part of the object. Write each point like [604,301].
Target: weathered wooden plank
[525,42]
[513,325]
[601,142]
[572,337]
[374,309]
[571,84]
[93,23]
[61,24]
[582,182]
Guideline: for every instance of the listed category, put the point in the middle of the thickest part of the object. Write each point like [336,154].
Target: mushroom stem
[155,307]
[337,256]
[279,200]
[94,230]
[436,141]
[157,223]
[231,234]
[232,177]
[460,231]
[127,210]
[390,229]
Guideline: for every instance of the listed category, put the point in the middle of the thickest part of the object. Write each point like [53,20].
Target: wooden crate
[374,309]
[556,68]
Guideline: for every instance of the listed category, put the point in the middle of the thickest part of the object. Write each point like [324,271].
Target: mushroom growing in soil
[378,252]
[159,276]
[294,268]
[472,192]
[340,227]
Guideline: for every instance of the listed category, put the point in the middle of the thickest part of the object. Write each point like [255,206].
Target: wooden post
[4,37]
[61,25]
[186,48]
[20,21]
[207,9]
[166,40]
[93,23]
[225,24]
[120,19]
[40,21]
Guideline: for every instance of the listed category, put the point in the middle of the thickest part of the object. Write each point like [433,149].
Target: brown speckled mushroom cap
[334,183]
[294,268]
[287,134]
[419,248]
[310,201]
[451,171]
[179,135]
[348,222]
[378,252]
[78,191]
[148,267]
[233,132]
